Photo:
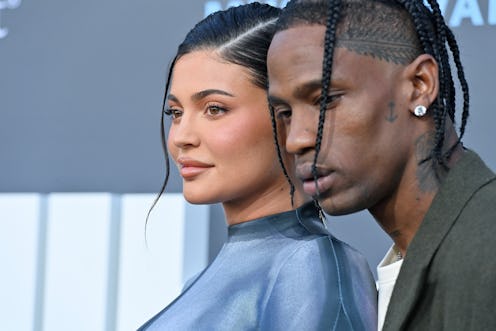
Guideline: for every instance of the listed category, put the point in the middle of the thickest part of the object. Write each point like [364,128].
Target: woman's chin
[196,199]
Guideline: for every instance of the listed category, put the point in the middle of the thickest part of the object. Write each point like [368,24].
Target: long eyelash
[330,99]
[281,114]
[217,107]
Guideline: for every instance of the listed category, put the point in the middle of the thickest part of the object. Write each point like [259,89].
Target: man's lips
[311,185]
[189,168]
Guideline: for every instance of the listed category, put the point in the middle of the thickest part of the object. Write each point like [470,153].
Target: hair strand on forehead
[163,141]
[279,155]
[329,42]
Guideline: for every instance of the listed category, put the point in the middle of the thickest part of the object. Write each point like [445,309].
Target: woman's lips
[189,168]
[190,172]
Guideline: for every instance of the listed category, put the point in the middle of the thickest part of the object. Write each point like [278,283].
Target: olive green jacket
[448,278]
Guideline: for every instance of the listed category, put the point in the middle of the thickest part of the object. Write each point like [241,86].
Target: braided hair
[239,35]
[415,28]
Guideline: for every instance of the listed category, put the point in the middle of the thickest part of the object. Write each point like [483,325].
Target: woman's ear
[423,75]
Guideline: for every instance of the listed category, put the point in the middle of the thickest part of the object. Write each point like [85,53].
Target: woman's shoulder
[326,262]
[312,253]
[327,246]
[317,274]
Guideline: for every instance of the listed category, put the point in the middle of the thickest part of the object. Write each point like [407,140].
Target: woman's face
[221,135]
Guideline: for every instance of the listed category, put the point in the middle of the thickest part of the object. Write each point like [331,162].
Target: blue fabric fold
[279,272]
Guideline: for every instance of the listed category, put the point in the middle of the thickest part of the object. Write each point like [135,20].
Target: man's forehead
[301,34]
[295,61]
[295,49]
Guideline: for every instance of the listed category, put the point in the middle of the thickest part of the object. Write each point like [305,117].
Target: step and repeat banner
[81,86]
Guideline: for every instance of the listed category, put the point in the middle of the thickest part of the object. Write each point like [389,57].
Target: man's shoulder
[484,198]
[480,208]
[470,189]
[471,241]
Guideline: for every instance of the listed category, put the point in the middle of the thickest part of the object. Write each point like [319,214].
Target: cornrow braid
[436,39]
[279,155]
[329,42]
[443,31]
[463,84]
[425,27]
[446,99]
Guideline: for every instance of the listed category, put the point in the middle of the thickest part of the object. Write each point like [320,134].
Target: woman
[279,269]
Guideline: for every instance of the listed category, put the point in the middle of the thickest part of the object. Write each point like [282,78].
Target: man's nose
[301,133]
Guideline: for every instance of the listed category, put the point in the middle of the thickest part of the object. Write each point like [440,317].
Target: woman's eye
[215,110]
[174,113]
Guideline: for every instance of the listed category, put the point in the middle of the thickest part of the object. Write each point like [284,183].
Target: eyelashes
[331,99]
[215,110]
[285,112]
[210,111]
[173,112]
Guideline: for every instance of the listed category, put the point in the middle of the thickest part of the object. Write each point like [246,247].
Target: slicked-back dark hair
[239,35]
[414,29]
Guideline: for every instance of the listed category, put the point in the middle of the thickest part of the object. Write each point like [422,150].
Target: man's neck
[401,214]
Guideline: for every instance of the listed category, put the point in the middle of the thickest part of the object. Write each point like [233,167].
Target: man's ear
[423,74]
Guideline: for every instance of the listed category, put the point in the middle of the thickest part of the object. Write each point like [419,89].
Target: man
[365,91]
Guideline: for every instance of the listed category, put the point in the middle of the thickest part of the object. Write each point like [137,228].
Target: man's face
[366,142]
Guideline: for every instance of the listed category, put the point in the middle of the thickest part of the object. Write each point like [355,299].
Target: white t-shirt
[387,272]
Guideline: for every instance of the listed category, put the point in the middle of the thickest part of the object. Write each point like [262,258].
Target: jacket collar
[463,180]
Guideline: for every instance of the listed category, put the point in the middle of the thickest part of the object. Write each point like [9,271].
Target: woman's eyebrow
[202,94]
[172,97]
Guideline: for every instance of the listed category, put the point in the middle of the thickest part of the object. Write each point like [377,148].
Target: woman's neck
[274,201]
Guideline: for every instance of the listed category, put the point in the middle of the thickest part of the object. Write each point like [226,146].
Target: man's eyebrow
[205,93]
[309,87]
[301,92]
[273,100]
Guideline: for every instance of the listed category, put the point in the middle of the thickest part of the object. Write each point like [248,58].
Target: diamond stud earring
[420,111]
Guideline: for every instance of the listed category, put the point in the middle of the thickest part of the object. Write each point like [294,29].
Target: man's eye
[283,113]
[331,98]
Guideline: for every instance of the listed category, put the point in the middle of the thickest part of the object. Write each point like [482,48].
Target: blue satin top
[279,272]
